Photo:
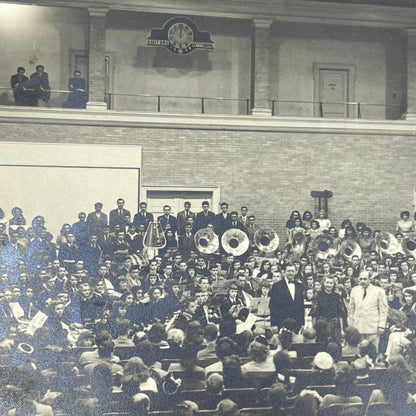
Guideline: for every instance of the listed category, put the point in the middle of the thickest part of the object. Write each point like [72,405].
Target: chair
[125,353]
[167,362]
[311,349]
[205,362]
[242,397]
[323,389]
[256,411]
[338,409]
[377,409]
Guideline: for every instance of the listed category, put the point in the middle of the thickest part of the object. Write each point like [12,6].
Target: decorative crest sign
[181,36]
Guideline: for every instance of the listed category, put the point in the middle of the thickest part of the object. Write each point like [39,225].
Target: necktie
[365,293]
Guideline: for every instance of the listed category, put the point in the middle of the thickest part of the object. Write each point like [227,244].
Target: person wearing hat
[232,305]
[367,309]
[261,359]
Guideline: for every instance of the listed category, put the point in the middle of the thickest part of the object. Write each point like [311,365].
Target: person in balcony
[40,80]
[79,94]
[15,81]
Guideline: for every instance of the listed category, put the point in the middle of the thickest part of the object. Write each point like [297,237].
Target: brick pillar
[261,68]
[96,58]
[411,74]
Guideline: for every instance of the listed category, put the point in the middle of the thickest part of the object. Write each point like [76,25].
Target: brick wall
[372,177]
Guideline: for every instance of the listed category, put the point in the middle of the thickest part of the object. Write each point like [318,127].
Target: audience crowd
[98,319]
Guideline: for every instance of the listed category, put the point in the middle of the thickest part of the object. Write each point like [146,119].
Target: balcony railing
[177,103]
[346,109]
[223,105]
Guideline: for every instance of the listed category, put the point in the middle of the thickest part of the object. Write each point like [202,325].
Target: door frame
[351,69]
[215,193]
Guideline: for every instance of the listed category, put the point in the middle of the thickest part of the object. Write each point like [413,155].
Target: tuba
[409,244]
[387,243]
[235,242]
[323,246]
[298,244]
[266,239]
[349,248]
[206,241]
[155,237]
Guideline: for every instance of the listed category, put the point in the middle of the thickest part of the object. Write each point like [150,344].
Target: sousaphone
[235,242]
[387,243]
[206,241]
[155,237]
[349,248]
[323,246]
[266,239]
[409,244]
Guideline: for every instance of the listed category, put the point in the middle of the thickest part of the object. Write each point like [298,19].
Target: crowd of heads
[94,286]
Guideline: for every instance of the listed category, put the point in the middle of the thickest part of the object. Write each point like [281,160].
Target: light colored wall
[224,72]
[376,55]
[47,32]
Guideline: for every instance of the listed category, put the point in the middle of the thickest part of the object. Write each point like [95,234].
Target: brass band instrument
[349,248]
[235,242]
[266,239]
[206,241]
[409,244]
[387,243]
[155,237]
[323,246]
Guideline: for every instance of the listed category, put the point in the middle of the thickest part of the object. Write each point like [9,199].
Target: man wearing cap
[204,217]
[367,309]
[286,300]
[142,217]
[184,217]
[97,220]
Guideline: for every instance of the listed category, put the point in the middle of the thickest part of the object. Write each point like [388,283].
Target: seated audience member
[261,359]
[352,339]
[233,378]
[278,399]
[393,390]
[175,340]
[16,80]
[306,404]
[309,336]
[225,347]
[105,354]
[210,336]
[186,408]
[227,407]
[136,367]
[345,388]
[323,364]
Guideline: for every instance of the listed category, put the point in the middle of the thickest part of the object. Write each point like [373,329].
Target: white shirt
[291,287]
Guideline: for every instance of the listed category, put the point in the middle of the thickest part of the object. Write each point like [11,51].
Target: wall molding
[60,116]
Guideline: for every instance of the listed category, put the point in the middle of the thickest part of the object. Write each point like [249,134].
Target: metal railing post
[109,101]
[202,105]
[358,110]
[321,110]
[158,103]
[248,106]
[273,101]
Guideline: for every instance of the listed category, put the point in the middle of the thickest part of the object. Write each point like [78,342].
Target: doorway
[334,89]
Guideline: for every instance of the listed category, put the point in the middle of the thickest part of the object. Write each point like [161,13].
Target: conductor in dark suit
[204,217]
[184,216]
[117,215]
[142,217]
[286,300]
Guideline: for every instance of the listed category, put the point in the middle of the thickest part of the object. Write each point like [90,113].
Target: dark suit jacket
[139,219]
[182,220]
[202,221]
[186,245]
[221,224]
[171,221]
[282,306]
[116,218]
[97,223]
[237,225]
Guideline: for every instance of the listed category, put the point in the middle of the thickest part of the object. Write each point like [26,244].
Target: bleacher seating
[338,409]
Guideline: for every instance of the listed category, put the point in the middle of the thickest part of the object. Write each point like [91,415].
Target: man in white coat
[367,309]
